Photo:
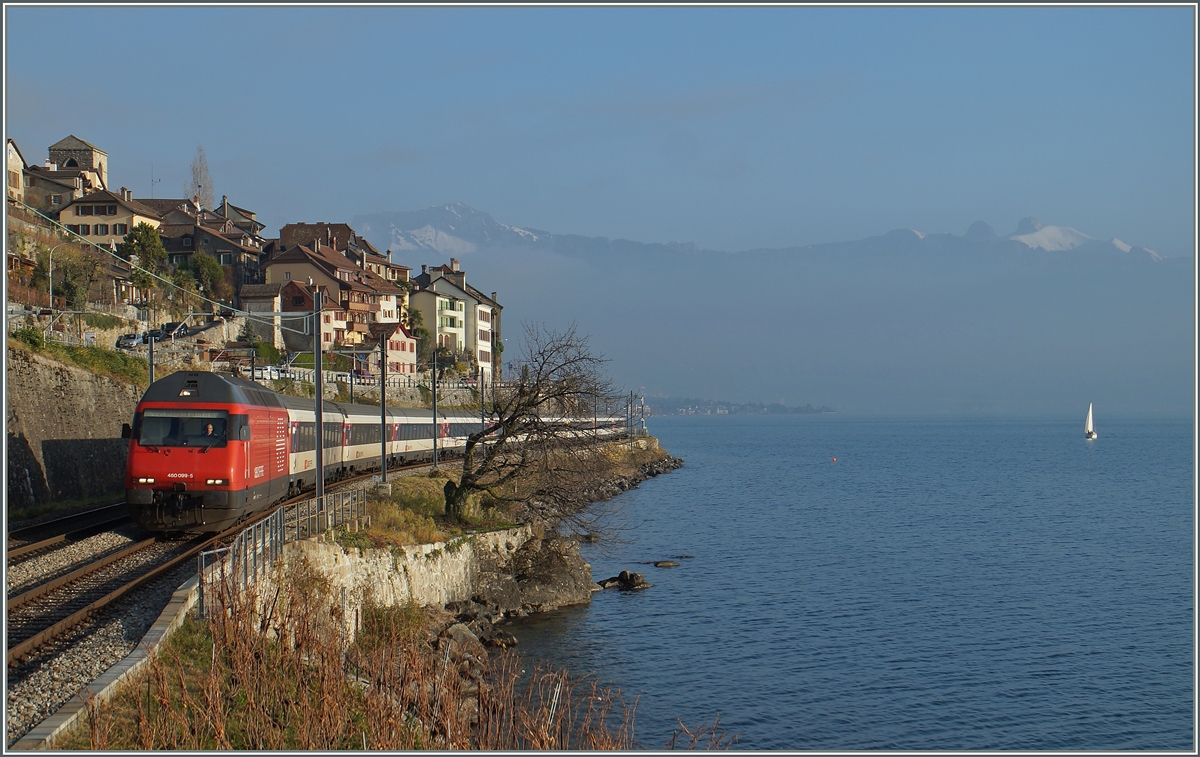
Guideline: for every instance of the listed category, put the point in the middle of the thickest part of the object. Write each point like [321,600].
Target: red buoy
[835,459]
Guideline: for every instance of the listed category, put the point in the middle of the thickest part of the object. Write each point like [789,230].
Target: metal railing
[253,551]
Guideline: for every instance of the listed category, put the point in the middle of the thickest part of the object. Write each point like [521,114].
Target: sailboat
[1089,431]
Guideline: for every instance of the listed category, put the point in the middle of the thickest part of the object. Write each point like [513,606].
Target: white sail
[1088,430]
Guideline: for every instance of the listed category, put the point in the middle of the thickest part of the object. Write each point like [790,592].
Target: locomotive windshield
[172,427]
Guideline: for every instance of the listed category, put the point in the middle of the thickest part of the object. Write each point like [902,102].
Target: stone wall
[429,574]
[64,431]
[511,571]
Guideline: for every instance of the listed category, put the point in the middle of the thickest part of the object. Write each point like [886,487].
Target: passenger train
[207,450]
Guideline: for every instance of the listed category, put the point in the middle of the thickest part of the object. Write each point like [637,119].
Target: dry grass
[288,678]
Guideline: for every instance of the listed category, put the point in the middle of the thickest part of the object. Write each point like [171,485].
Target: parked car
[266,372]
[155,334]
[174,329]
[129,341]
[363,376]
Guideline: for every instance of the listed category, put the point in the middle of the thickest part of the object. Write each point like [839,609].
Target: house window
[85,229]
[14,179]
[226,258]
[327,319]
[485,357]
[101,230]
[120,228]
[287,275]
[56,199]
[297,302]
[112,210]
[83,210]
[327,336]
[485,316]
[187,241]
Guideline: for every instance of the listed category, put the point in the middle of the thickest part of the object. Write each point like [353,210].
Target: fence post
[200,573]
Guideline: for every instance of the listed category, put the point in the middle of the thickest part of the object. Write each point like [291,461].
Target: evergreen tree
[144,242]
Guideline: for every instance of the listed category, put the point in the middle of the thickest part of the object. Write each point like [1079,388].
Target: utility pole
[437,428]
[320,385]
[383,427]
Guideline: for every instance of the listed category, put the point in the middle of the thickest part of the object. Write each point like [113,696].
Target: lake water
[942,585]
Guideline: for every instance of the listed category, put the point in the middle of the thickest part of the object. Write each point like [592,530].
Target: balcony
[361,328]
[360,307]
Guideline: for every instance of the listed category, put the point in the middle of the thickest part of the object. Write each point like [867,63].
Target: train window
[303,437]
[239,427]
[463,429]
[414,431]
[173,427]
[332,435]
[364,433]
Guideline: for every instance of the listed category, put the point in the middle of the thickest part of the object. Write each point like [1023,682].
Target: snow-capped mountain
[446,229]
[457,229]
[1034,234]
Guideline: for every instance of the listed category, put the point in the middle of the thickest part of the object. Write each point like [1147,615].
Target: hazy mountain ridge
[901,322]
[456,229]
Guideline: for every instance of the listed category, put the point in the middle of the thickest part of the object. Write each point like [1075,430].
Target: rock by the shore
[544,574]
[666,564]
[625,581]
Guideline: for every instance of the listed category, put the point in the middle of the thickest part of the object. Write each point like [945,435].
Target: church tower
[73,152]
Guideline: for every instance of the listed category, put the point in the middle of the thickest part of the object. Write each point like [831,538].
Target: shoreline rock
[626,581]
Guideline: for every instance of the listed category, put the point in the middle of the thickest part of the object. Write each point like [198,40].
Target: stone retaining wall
[64,431]
[429,574]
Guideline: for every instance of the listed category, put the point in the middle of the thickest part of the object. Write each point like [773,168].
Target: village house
[297,297]
[401,348]
[187,229]
[342,238]
[244,219]
[459,316]
[358,297]
[266,299]
[16,173]
[73,169]
[104,218]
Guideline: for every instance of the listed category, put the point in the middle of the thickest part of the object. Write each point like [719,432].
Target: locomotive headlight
[145,480]
[216,481]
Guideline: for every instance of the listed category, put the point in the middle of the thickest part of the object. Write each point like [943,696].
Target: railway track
[25,552]
[44,675]
[39,536]
[49,610]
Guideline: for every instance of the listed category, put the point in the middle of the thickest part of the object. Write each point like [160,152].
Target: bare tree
[525,440]
[200,185]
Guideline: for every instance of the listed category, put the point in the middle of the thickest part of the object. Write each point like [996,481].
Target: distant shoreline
[673,406]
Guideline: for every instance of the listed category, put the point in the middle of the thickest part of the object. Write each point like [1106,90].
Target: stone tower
[73,152]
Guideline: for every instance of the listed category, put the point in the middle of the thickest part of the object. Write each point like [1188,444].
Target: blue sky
[731,128]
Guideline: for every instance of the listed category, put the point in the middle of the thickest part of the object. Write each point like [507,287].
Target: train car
[207,450]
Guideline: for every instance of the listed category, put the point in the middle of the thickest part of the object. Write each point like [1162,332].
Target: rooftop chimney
[494,297]
[454,264]
[422,268]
